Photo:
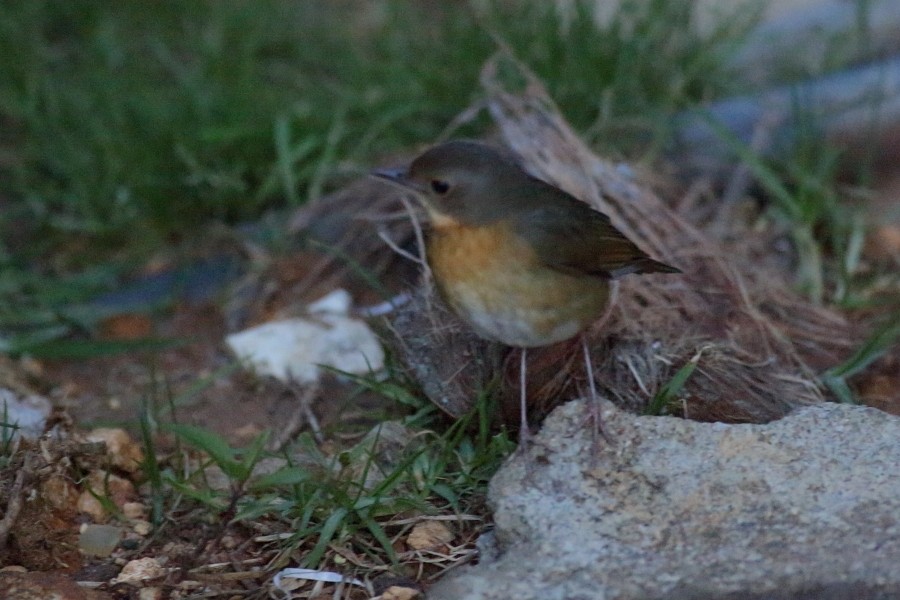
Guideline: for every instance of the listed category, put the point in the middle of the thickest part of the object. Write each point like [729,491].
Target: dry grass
[753,339]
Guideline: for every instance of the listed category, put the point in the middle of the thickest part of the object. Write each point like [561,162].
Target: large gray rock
[805,507]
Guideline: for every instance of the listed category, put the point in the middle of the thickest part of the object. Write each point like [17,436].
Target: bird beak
[398,177]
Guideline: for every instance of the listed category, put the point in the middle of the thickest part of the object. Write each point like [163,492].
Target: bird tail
[643,265]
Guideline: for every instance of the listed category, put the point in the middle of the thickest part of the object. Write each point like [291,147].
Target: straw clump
[751,342]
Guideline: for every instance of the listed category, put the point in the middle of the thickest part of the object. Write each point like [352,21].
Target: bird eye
[439,187]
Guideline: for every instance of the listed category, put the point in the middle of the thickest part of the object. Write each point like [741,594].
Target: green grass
[347,499]
[666,400]
[133,123]
[884,336]
[820,215]
[8,432]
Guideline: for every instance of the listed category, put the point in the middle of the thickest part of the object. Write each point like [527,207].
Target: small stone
[150,593]
[429,535]
[134,510]
[140,570]
[122,450]
[99,540]
[399,593]
[60,492]
[142,528]
[92,507]
[102,484]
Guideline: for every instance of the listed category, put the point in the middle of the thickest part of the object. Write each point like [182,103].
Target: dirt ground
[110,392]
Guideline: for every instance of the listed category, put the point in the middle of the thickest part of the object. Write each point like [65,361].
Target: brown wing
[570,236]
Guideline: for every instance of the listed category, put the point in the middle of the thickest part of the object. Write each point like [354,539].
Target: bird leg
[523,404]
[596,418]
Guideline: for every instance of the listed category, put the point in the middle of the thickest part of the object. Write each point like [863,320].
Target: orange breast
[495,282]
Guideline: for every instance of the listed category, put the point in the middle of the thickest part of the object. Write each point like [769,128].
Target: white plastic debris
[311,575]
[386,307]
[337,302]
[294,349]
[26,416]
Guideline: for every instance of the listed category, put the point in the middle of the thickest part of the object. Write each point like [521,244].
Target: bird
[523,262]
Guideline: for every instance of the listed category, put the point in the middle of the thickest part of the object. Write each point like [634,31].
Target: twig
[14,506]
[302,413]
[383,234]
[420,237]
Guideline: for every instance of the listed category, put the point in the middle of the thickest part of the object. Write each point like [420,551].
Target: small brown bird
[520,260]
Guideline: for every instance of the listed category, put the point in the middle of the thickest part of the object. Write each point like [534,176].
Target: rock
[429,535]
[138,571]
[134,511]
[99,540]
[104,484]
[400,593]
[394,587]
[59,492]
[142,528]
[121,449]
[674,509]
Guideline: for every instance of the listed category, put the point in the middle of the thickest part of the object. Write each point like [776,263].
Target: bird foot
[598,429]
